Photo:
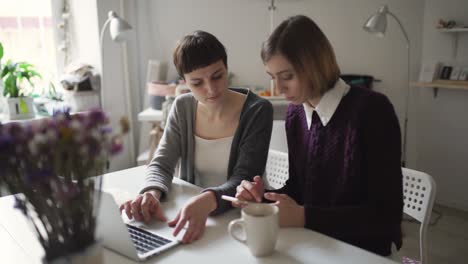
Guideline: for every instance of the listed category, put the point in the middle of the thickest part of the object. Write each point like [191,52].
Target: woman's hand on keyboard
[195,212]
[144,207]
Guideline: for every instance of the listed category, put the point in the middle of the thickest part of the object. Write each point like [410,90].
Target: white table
[150,115]
[154,117]
[295,245]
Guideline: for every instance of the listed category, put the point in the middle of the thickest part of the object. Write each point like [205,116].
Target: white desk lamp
[377,24]
[118,30]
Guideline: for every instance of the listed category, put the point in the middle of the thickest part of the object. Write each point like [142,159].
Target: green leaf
[25,65]
[1,51]
[35,73]
[5,71]
[10,86]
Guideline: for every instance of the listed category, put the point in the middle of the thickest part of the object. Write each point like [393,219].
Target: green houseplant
[14,75]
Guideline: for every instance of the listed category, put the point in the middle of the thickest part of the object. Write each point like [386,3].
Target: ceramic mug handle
[233,225]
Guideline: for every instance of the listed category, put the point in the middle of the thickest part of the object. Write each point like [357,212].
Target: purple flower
[6,144]
[106,130]
[93,146]
[116,145]
[97,116]
[13,129]
[62,112]
[35,175]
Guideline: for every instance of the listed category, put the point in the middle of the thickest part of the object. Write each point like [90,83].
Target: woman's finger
[189,232]
[145,208]
[245,195]
[182,221]
[252,189]
[126,207]
[274,196]
[259,182]
[199,229]
[135,204]
[174,221]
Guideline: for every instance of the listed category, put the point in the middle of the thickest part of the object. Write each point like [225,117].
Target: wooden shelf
[444,84]
[453,30]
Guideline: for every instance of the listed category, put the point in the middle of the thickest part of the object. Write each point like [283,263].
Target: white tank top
[211,161]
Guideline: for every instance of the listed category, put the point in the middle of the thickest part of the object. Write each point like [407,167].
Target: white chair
[419,191]
[277,169]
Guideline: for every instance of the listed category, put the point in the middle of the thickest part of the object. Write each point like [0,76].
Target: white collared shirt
[328,103]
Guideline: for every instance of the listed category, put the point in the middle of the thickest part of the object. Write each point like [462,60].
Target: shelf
[444,84]
[455,32]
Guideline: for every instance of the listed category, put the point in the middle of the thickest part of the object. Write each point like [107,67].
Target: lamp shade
[119,28]
[377,23]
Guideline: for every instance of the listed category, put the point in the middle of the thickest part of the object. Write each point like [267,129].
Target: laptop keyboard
[145,241]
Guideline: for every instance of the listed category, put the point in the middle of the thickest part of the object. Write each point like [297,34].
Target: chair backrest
[419,191]
[277,169]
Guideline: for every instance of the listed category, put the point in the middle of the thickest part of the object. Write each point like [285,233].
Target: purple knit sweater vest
[348,174]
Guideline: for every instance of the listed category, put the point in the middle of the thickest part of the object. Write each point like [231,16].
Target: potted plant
[50,166]
[18,104]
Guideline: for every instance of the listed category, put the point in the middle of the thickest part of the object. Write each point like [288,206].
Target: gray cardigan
[248,153]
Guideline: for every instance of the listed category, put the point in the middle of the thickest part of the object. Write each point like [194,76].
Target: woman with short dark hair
[344,145]
[220,135]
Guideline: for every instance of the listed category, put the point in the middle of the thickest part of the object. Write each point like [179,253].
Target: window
[26,32]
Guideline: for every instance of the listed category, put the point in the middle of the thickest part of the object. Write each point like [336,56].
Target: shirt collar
[328,103]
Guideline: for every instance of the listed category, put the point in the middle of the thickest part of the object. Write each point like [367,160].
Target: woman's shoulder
[253,102]
[370,105]
[184,102]
[369,98]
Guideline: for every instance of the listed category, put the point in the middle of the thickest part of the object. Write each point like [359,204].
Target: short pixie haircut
[305,46]
[198,50]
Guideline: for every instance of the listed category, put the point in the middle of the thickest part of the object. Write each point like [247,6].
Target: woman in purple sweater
[344,144]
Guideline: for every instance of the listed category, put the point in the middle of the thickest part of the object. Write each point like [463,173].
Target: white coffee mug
[260,226]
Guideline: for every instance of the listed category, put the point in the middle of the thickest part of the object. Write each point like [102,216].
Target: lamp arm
[401,27]
[101,44]
[272,9]
[405,124]
[101,38]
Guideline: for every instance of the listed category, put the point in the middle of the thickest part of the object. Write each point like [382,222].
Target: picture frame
[463,74]
[455,73]
[430,71]
[446,72]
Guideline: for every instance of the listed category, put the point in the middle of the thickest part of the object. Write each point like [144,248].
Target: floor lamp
[377,24]
[118,29]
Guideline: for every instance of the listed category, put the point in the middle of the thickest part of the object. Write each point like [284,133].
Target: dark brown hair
[198,50]
[305,46]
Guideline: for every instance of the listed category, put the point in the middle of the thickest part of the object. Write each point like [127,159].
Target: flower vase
[91,255]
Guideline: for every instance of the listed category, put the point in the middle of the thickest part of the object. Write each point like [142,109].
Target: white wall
[242,25]
[87,18]
[437,126]
[443,121]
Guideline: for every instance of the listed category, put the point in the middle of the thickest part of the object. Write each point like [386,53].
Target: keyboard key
[145,241]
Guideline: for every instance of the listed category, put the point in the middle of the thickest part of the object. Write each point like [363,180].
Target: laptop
[129,239]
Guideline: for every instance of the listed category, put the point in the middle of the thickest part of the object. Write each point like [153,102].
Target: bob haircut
[305,46]
[198,50]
